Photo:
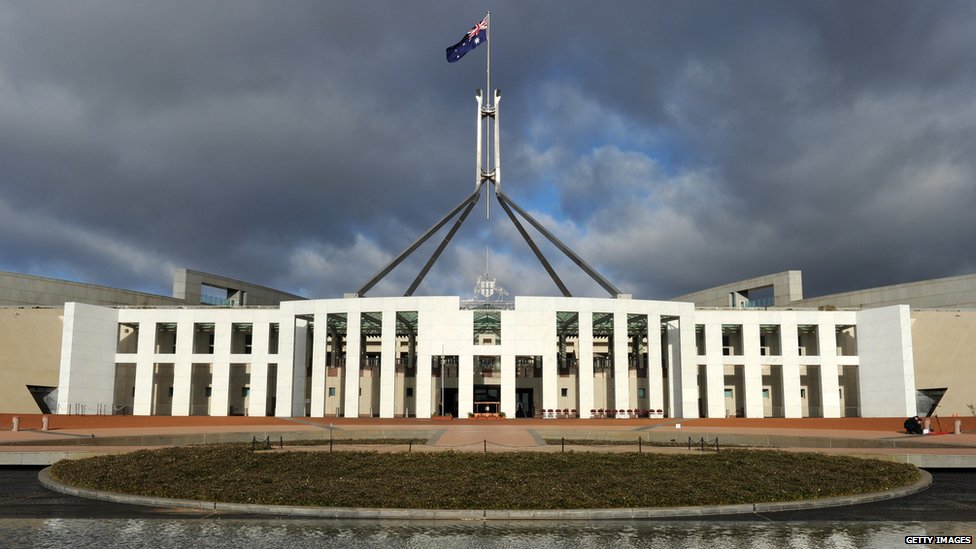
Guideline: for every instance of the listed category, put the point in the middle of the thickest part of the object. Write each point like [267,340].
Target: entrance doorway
[487,399]
[523,403]
[451,401]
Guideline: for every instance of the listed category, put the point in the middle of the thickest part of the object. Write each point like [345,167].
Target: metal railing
[702,444]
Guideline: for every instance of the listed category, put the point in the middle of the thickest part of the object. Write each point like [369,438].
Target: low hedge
[455,480]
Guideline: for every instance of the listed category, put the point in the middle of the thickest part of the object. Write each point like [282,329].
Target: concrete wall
[30,345]
[955,292]
[86,381]
[787,288]
[945,356]
[28,290]
[887,371]
[187,288]
[18,290]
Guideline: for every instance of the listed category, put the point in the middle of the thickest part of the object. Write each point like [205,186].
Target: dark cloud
[303,145]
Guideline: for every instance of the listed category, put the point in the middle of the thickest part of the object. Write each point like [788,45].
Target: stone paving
[77,436]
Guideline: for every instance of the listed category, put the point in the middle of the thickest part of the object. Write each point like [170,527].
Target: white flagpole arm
[497,168]
[477,155]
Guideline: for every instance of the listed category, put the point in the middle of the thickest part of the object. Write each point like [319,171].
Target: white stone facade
[545,357]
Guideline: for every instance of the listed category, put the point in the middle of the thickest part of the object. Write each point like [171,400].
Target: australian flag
[474,38]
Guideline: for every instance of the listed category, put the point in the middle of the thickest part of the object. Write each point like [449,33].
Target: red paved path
[519,434]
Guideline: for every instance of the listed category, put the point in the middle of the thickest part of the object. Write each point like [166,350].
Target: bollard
[562,444]
[958,430]
[45,423]
[677,425]
[926,426]
[410,446]
[16,426]
[640,449]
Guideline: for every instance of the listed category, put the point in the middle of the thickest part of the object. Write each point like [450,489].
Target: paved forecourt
[882,438]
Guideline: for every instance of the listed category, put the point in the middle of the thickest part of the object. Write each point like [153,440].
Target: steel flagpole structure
[487,106]
[487,170]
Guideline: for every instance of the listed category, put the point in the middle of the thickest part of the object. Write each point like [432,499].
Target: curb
[923,483]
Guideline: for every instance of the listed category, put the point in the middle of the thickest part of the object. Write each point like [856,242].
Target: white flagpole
[488,103]
[488,59]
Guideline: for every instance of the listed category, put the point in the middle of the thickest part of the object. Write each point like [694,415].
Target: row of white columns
[828,363]
[426,352]
[291,359]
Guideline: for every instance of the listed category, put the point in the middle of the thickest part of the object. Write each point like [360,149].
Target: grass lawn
[455,480]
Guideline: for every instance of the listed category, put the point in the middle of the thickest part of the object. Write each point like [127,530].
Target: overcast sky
[673,145]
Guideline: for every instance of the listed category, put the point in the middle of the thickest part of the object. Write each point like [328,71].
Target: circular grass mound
[456,480]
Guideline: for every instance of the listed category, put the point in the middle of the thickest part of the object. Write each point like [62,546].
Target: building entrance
[523,403]
[451,402]
[487,399]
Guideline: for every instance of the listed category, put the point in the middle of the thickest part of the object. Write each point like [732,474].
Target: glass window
[487,327]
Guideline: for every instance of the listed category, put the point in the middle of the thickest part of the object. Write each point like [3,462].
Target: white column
[284,393]
[220,382]
[752,370]
[142,400]
[320,336]
[684,367]
[181,366]
[550,364]
[388,364]
[829,386]
[550,379]
[353,360]
[145,366]
[621,372]
[257,403]
[465,380]
[220,392]
[181,387]
[655,378]
[299,357]
[714,369]
[584,353]
[422,392]
[793,405]
[508,385]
